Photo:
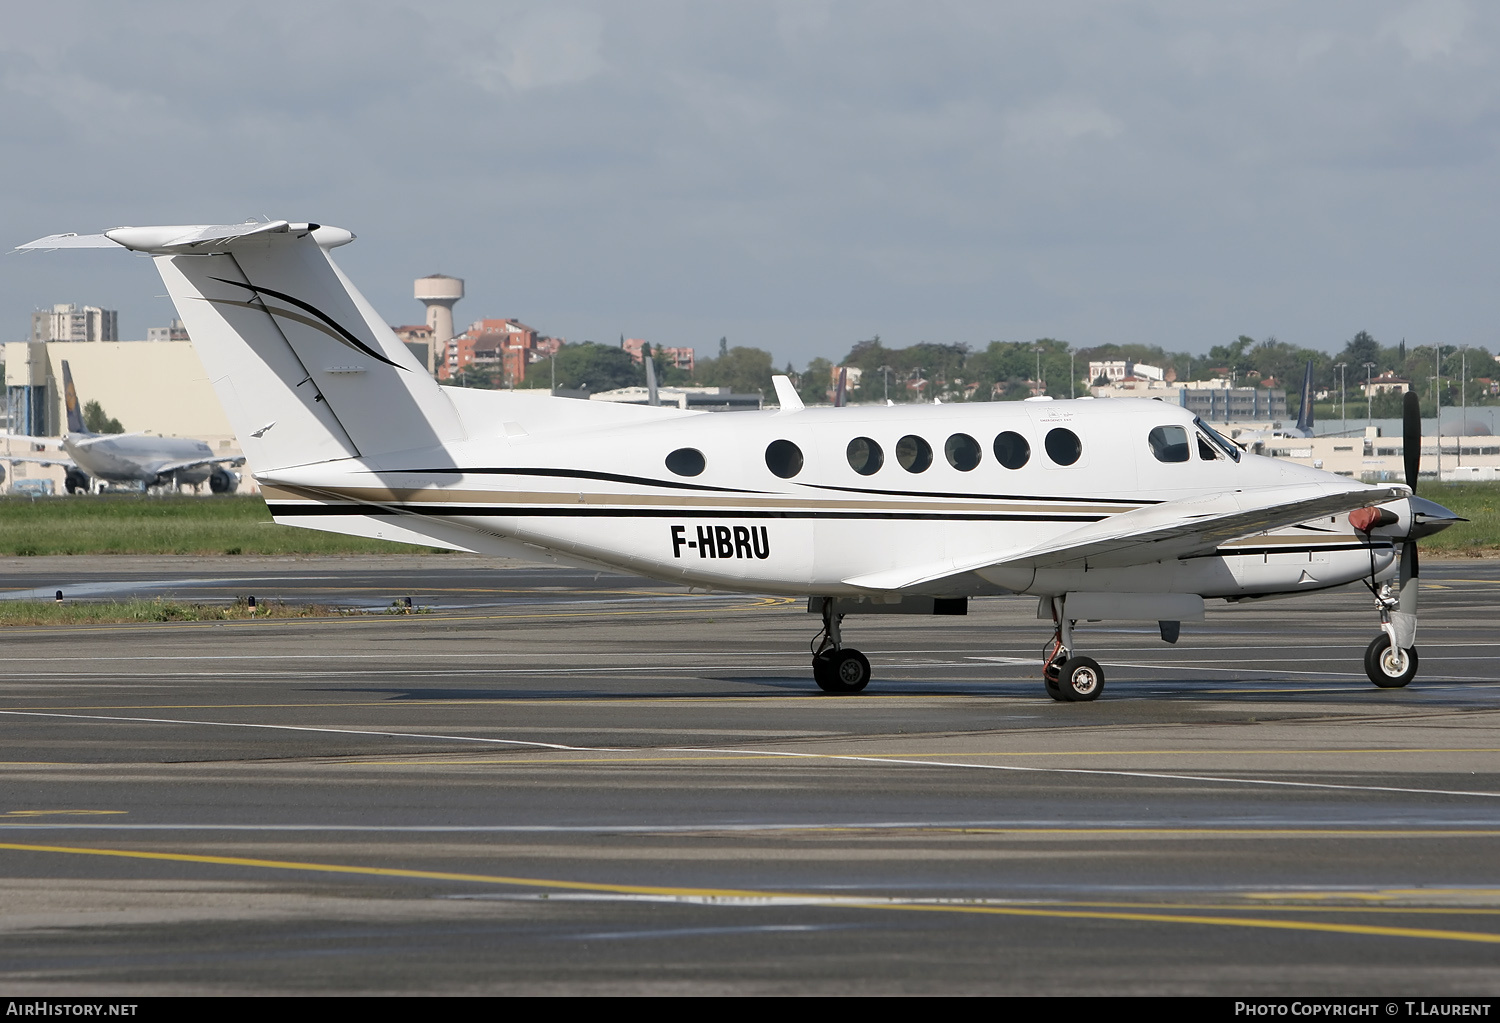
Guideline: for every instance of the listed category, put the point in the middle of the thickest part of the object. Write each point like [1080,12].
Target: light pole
[1072,373]
[1437,405]
[1369,395]
[1343,400]
[885,374]
[1463,398]
[1039,388]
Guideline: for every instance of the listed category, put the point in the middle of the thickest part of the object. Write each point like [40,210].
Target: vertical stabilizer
[1305,414]
[305,368]
[70,401]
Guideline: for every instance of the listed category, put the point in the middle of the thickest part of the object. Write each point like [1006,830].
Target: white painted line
[1210,779]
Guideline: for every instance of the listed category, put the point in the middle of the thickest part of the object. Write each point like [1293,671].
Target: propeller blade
[1411,437]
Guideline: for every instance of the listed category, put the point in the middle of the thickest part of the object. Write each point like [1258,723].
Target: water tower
[438,293]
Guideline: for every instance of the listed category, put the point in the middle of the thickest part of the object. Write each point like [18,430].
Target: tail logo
[328,324]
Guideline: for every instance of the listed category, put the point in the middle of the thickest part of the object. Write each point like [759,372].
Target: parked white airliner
[1108,509]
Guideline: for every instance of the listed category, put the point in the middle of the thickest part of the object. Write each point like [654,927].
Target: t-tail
[305,368]
[1305,414]
[70,402]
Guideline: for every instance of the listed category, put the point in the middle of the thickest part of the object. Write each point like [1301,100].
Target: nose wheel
[1390,667]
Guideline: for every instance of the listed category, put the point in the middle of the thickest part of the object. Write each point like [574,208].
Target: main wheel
[841,671]
[1081,679]
[1389,668]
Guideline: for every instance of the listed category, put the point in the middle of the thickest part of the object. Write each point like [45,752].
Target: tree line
[1010,370]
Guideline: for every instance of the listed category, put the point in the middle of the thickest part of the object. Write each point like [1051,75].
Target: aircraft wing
[193,463]
[43,460]
[1174,529]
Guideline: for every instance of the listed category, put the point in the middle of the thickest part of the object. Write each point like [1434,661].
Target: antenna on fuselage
[786,394]
[653,397]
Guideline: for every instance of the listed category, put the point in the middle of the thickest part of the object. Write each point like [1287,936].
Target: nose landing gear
[1069,678]
[1391,658]
[837,668]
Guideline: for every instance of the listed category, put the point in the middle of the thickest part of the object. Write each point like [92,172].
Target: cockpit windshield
[1228,446]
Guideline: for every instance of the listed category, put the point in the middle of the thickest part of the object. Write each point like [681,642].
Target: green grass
[1478,502]
[136,524]
[49,612]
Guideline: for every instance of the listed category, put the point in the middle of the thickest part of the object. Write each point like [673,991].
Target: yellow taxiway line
[854,902]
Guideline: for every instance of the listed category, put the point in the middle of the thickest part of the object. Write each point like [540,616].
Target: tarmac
[554,782]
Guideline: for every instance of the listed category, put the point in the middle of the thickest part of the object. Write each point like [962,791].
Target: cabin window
[1169,444]
[1063,446]
[865,456]
[963,452]
[784,458]
[1206,451]
[686,461]
[913,453]
[1012,450]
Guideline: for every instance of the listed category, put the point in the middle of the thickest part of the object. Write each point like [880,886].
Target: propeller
[1425,518]
[1411,454]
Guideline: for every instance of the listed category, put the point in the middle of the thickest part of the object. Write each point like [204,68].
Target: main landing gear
[837,668]
[1069,677]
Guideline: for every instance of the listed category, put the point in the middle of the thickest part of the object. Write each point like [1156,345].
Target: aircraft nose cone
[1428,517]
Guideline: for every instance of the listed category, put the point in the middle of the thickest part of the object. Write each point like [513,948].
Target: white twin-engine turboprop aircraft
[1110,509]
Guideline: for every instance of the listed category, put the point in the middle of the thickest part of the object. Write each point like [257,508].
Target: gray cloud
[794,175]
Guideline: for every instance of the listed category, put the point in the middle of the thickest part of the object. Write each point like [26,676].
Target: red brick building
[506,344]
[681,358]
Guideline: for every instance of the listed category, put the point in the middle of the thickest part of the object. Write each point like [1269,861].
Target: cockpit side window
[1227,446]
[1206,451]
[1169,444]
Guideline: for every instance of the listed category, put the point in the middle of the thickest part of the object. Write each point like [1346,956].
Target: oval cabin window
[784,458]
[1063,446]
[1012,450]
[865,456]
[1169,444]
[686,461]
[913,453]
[962,451]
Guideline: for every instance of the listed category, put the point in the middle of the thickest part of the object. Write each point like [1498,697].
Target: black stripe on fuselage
[585,511]
[982,497]
[574,474]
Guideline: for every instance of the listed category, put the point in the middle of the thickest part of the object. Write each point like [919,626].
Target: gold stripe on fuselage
[730,503]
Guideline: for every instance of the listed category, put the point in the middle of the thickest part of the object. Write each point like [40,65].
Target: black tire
[1389,673]
[841,671]
[822,665]
[1053,689]
[1082,680]
[76,482]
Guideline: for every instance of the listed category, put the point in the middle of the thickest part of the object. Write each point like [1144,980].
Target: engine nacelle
[222,481]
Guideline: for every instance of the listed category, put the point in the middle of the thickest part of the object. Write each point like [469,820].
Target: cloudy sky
[796,176]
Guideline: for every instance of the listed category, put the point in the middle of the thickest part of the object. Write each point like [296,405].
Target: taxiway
[552,781]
